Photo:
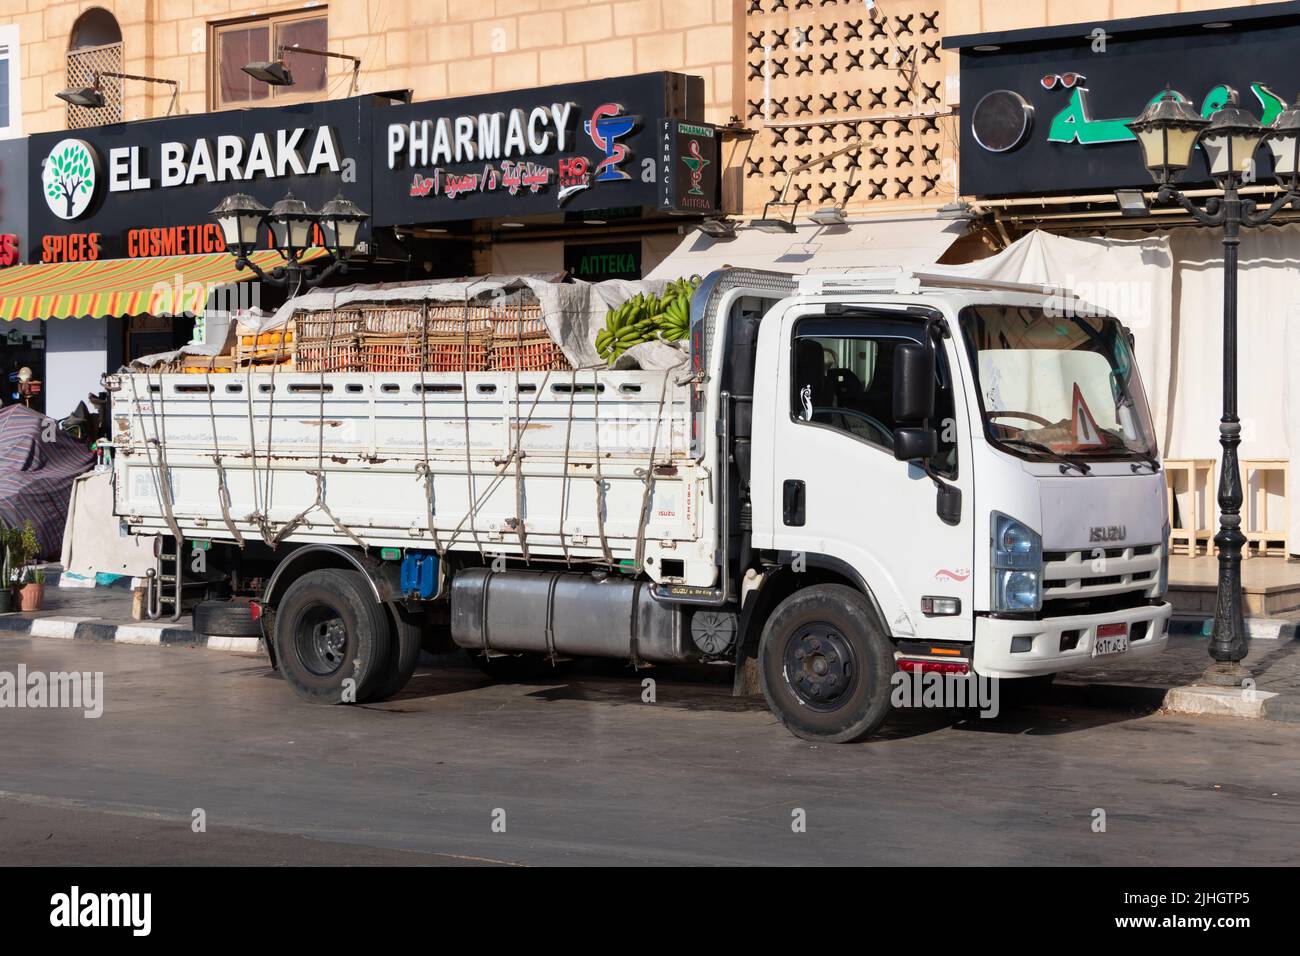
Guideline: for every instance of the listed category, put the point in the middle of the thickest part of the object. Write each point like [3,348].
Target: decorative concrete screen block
[819,76]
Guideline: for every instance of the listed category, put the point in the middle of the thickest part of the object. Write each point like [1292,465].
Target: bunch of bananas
[644,318]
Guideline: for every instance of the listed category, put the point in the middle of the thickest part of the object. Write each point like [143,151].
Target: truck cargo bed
[571,466]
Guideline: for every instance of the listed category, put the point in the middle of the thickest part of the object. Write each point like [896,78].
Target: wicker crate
[521,342]
[339,353]
[450,318]
[536,354]
[404,352]
[326,325]
[390,352]
[470,352]
[388,319]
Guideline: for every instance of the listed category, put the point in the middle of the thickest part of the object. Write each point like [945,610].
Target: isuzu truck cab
[855,474]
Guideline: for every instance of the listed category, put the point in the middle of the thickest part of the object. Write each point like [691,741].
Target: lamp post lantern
[1168,131]
[293,225]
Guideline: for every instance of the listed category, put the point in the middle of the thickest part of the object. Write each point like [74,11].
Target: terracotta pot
[31,597]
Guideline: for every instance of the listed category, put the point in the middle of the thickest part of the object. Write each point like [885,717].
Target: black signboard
[147,188]
[1043,111]
[13,200]
[550,150]
[596,262]
[689,171]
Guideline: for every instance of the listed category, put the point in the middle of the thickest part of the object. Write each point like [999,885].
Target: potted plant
[31,595]
[6,571]
[27,549]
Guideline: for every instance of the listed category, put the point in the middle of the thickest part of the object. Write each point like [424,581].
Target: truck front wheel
[825,665]
[333,639]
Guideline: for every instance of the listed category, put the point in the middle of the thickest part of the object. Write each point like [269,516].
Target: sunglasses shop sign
[1051,115]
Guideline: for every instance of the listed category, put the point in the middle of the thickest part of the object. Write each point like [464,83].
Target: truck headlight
[1017,591]
[1162,582]
[1017,565]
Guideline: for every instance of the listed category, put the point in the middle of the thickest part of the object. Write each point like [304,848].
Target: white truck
[852,475]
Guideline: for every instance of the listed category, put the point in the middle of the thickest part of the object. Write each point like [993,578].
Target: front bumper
[1042,650]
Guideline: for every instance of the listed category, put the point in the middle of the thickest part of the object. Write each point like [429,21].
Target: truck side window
[847,383]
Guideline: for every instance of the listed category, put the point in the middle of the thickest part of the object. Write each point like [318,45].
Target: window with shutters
[95,48]
[264,39]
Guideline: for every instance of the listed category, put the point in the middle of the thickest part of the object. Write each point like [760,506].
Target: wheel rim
[321,640]
[820,668]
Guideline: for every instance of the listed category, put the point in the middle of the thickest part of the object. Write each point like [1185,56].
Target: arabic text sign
[563,148]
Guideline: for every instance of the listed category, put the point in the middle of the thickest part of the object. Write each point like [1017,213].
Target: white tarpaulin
[572,311]
[1168,288]
[905,241]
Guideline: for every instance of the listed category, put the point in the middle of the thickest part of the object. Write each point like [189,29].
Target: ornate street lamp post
[292,225]
[1168,130]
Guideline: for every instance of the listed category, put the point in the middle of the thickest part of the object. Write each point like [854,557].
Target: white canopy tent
[867,244]
[1168,288]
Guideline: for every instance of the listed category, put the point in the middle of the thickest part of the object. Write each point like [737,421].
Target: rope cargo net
[429,337]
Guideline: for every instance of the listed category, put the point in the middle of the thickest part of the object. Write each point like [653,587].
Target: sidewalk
[104,614]
[1169,681]
[1273,664]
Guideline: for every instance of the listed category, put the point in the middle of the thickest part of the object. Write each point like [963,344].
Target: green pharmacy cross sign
[1074,123]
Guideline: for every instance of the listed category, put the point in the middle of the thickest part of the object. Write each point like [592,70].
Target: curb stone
[92,629]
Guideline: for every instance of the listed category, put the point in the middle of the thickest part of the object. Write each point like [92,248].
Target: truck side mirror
[914,372]
[915,444]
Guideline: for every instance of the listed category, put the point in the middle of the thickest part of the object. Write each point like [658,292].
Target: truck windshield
[1053,386]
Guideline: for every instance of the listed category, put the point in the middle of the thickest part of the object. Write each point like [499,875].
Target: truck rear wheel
[825,665]
[405,651]
[333,639]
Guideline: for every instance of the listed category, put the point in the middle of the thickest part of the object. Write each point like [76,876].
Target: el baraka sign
[147,188]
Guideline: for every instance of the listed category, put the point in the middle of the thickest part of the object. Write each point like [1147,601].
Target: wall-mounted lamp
[769,224]
[277,73]
[93,96]
[718,228]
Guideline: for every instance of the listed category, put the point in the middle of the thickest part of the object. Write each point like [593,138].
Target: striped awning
[165,285]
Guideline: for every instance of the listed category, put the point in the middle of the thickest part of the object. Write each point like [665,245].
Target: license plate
[1111,639]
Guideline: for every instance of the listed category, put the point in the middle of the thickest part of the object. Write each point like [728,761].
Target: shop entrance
[22,346]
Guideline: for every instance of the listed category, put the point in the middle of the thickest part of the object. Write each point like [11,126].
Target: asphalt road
[581,771]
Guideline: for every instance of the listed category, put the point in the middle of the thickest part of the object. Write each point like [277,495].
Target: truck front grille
[1103,572]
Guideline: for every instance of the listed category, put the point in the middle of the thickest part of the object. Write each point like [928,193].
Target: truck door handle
[792,502]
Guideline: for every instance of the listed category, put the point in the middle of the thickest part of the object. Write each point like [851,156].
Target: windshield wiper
[1051,453]
[1148,459]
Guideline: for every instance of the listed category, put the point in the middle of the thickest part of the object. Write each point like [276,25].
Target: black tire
[225,619]
[825,664]
[511,668]
[330,629]
[404,653]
